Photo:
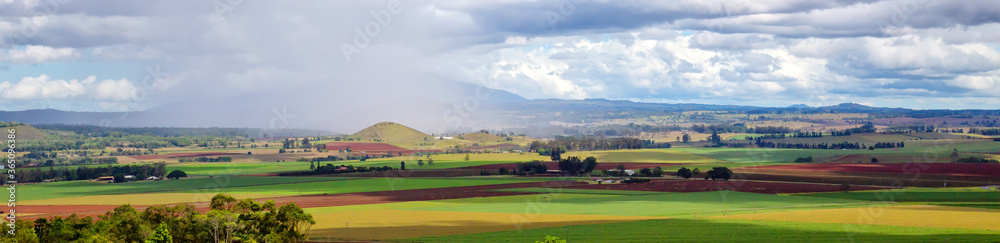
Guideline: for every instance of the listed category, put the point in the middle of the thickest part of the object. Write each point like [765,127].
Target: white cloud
[114,90]
[39,54]
[47,89]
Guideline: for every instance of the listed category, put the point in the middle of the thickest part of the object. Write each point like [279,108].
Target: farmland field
[706,230]
[909,215]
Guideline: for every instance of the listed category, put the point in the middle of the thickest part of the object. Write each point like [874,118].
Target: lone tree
[684,173]
[874,160]
[402,165]
[176,174]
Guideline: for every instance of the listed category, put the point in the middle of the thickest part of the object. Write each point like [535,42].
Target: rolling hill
[390,132]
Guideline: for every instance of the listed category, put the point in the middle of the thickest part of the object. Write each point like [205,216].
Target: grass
[915,195]
[382,224]
[726,230]
[206,169]
[994,205]
[144,198]
[660,204]
[87,188]
[909,215]
[371,185]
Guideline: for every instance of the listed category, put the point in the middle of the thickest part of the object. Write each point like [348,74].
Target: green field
[577,191]
[916,195]
[373,184]
[89,188]
[207,169]
[659,204]
[721,230]
[644,155]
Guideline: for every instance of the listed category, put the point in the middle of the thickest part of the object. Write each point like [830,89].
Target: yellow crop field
[911,215]
[644,155]
[146,198]
[383,224]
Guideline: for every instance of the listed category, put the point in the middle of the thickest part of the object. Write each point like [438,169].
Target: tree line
[92,172]
[843,145]
[592,143]
[229,220]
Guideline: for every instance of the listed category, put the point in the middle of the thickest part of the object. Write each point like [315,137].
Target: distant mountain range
[500,102]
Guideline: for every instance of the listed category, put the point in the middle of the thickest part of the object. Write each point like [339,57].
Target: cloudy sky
[138,55]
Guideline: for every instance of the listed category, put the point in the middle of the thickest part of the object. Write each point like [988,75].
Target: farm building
[106,178]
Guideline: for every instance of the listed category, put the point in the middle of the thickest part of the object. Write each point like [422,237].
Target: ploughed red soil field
[554,165]
[700,185]
[181,155]
[958,169]
[373,148]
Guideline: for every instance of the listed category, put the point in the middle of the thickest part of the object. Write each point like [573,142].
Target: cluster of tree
[532,167]
[808,159]
[36,158]
[230,220]
[574,166]
[836,133]
[867,128]
[975,159]
[880,145]
[917,128]
[651,172]
[88,173]
[841,145]
[334,158]
[591,143]
[800,134]
[769,130]
[634,181]
[687,173]
[333,169]
[719,173]
[765,136]
[986,123]
[723,128]
[501,171]
[984,131]
[10,124]
[207,159]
